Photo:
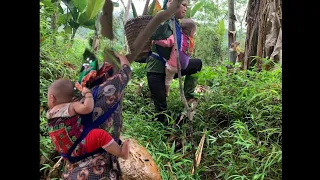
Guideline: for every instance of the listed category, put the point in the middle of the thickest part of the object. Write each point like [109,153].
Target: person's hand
[85,90]
[74,99]
[116,54]
[119,55]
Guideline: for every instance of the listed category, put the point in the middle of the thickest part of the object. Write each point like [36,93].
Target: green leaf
[48,3]
[74,24]
[72,9]
[84,21]
[173,147]
[221,28]
[152,7]
[89,27]
[134,12]
[82,18]
[68,29]
[196,7]
[80,5]
[94,7]
[45,166]
[44,154]
[61,9]
[63,19]
[188,13]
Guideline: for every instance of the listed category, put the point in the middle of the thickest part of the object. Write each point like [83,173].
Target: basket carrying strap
[158,55]
[87,128]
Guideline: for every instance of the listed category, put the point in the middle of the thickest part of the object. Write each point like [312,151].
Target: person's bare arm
[123,59]
[87,106]
[119,151]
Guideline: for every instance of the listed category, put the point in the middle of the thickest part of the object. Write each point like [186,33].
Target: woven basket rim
[140,17]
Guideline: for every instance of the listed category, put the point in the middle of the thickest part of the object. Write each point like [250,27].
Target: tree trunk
[252,32]
[273,42]
[125,20]
[232,31]
[54,19]
[261,33]
[241,23]
[264,33]
[126,15]
[96,42]
[54,22]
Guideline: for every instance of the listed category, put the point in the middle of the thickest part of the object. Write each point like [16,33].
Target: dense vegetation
[239,111]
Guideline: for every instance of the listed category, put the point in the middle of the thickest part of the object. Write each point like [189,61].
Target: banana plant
[191,11]
[81,13]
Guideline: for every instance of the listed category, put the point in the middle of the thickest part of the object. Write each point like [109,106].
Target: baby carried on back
[74,127]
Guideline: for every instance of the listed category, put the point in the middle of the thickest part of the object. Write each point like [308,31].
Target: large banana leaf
[93,8]
[80,5]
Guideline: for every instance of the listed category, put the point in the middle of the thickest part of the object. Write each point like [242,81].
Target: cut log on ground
[139,165]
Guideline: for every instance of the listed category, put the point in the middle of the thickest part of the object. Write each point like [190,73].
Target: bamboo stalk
[189,110]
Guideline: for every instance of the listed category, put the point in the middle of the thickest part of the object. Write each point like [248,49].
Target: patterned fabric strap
[88,128]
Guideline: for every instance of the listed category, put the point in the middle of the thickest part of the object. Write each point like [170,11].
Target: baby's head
[188,26]
[60,91]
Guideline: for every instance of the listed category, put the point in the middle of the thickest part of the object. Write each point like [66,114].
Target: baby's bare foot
[125,150]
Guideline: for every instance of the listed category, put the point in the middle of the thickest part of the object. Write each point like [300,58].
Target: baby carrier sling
[91,77]
[88,125]
[158,54]
[183,43]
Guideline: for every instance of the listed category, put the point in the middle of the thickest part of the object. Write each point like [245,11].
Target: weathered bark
[232,30]
[264,33]
[241,23]
[252,32]
[106,20]
[261,33]
[273,44]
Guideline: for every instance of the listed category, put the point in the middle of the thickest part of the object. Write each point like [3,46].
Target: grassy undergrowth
[241,113]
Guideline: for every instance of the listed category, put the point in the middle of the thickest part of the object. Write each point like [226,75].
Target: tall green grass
[242,114]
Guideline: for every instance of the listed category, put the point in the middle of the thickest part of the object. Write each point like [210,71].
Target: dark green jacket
[164,31]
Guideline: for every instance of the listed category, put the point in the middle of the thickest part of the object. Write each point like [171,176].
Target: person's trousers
[156,83]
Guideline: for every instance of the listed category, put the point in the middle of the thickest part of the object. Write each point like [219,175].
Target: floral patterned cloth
[100,166]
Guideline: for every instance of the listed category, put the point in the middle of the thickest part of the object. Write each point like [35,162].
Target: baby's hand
[85,90]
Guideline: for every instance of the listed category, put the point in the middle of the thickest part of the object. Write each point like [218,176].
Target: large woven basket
[132,28]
